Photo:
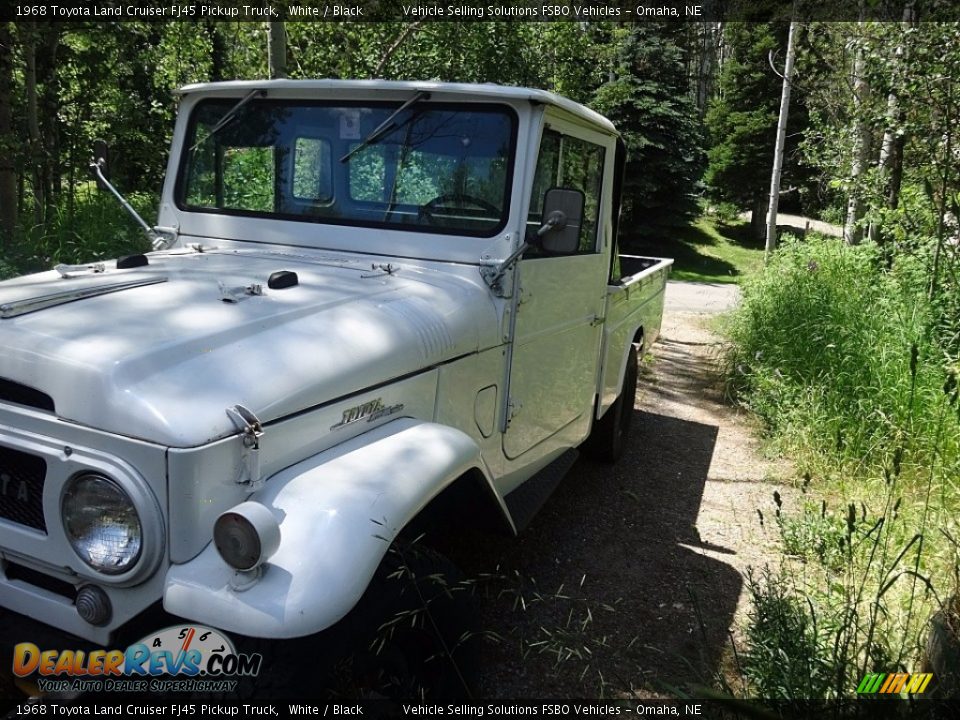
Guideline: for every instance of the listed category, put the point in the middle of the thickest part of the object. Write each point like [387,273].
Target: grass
[97,228]
[706,250]
[840,352]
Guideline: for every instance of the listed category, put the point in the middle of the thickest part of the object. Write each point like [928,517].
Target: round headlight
[101,523]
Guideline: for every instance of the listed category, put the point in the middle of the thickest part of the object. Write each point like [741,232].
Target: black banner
[620,11]
[152,707]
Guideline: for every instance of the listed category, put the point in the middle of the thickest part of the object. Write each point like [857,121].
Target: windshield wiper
[228,116]
[387,125]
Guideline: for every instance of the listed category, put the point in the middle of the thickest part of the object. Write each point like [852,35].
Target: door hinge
[597,320]
[514,406]
[251,430]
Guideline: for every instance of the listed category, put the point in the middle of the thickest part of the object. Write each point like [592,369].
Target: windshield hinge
[251,430]
[494,272]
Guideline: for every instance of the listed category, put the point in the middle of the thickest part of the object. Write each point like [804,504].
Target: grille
[21,488]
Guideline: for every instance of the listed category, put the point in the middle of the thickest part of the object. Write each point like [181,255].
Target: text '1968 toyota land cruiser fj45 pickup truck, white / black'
[364,296]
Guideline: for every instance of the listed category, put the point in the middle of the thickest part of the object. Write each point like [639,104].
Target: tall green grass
[839,355]
[843,354]
[94,227]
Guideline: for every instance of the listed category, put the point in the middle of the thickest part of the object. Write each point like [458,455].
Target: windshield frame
[502,108]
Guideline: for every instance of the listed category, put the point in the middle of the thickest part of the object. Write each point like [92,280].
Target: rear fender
[338,513]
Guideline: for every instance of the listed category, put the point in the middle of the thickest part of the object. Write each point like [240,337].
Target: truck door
[558,326]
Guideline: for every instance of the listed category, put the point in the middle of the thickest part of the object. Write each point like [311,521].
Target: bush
[839,356]
[97,228]
[786,656]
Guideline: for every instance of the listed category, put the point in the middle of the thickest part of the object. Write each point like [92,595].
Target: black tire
[421,624]
[409,637]
[608,438]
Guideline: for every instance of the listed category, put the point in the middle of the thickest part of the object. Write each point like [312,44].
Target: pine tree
[650,102]
[742,121]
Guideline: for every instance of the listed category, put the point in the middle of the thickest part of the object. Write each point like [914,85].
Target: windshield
[439,168]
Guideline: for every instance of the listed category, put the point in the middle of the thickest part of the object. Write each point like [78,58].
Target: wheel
[424,642]
[410,636]
[608,438]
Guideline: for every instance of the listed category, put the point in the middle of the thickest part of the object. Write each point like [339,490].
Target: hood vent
[14,392]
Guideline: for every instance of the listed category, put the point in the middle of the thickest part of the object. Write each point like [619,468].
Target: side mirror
[101,156]
[563,218]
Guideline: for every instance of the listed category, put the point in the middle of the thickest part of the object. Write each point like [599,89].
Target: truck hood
[162,361]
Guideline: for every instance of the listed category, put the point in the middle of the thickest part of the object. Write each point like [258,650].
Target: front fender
[338,513]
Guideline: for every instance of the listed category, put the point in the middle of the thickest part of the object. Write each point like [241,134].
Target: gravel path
[799,222]
[632,577]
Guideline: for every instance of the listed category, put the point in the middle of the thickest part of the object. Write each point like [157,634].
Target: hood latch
[251,430]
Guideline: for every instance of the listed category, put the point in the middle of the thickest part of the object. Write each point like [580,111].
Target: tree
[742,121]
[277,49]
[852,232]
[781,140]
[649,101]
[8,141]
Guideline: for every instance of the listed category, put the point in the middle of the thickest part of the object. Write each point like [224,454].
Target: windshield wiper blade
[228,116]
[387,125]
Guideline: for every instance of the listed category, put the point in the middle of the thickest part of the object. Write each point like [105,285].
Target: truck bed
[635,267]
[634,314]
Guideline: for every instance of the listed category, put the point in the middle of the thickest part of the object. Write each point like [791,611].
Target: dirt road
[801,223]
[631,579]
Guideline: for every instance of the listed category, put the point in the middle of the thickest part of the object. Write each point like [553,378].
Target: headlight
[101,523]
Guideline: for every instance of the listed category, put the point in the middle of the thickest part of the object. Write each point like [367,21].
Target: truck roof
[474,90]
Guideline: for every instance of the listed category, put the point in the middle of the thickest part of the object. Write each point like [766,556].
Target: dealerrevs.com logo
[187,658]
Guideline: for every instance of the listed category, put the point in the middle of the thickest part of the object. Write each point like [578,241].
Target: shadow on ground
[697,253]
[617,595]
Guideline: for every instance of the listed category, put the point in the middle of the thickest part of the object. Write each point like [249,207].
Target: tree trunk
[778,149]
[277,50]
[758,218]
[8,171]
[891,149]
[218,52]
[852,233]
[49,108]
[34,160]
[706,64]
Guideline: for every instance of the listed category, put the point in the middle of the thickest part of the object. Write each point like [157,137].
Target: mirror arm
[152,236]
[556,219]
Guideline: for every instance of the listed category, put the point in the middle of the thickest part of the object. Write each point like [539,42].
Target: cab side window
[568,162]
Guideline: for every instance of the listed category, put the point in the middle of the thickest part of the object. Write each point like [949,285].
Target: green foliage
[785,659]
[742,121]
[816,534]
[839,349]
[97,229]
[835,351]
[650,104]
[705,250]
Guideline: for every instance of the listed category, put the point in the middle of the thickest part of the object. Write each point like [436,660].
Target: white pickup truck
[365,296]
